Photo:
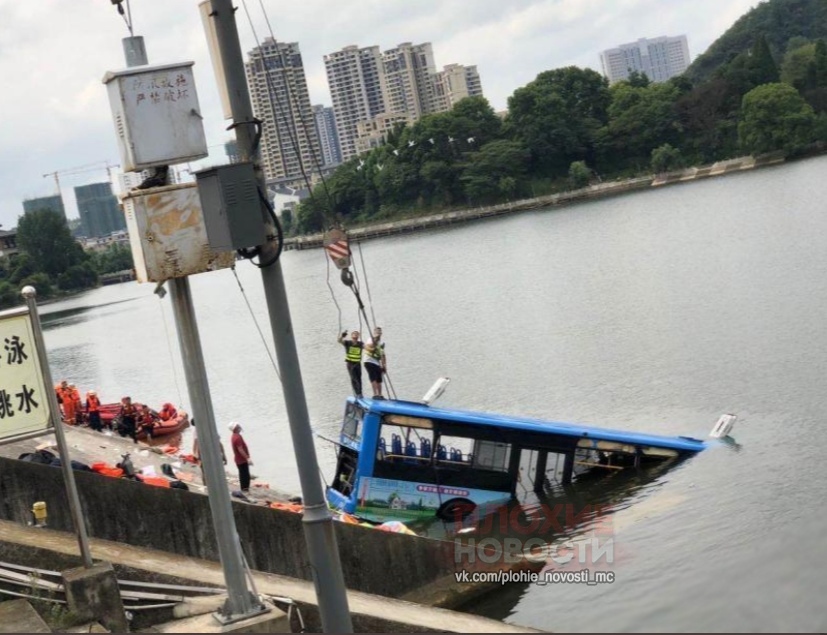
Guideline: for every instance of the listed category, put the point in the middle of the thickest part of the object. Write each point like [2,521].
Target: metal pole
[240,603]
[319,531]
[30,294]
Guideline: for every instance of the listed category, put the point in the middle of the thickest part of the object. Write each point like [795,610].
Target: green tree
[762,66]
[486,170]
[114,258]
[640,120]
[775,117]
[44,235]
[798,67]
[666,158]
[41,282]
[22,267]
[638,79]
[9,295]
[286,221]
[76,277]
[579,175]
[558,116]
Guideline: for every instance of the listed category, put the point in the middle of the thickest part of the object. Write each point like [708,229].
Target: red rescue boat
[177,423]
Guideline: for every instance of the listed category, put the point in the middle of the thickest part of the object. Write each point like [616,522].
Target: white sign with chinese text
[24,406]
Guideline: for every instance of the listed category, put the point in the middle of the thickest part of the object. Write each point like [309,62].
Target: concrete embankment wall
[373,561]
[593,192]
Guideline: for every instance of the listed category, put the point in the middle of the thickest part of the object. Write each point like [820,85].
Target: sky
[54,54]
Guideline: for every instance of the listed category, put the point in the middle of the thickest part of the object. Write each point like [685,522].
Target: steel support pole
[319,530]
[30,294]
[240,603]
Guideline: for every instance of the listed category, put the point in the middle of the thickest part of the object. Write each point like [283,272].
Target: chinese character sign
[24,405]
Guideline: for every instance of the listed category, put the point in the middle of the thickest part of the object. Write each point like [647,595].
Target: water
[655,311]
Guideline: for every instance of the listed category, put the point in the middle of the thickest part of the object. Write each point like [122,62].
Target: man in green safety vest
[353,359]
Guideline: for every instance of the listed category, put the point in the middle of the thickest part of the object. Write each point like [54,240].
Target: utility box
[156,114]
[167,234]
[232,206]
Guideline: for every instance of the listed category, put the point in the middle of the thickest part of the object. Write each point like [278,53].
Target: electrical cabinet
[156,115]
[168,236]
[232,206]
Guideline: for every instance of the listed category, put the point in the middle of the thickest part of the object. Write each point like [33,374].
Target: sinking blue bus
[401,460]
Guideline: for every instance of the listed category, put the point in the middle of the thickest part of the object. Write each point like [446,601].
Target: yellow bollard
[39,512]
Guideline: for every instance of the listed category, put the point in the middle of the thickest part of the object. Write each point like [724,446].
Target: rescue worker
[168,412]
[353,359]
[77,404]
[375,362]
[128,419]
[93,414]
[67,399]
[146,421]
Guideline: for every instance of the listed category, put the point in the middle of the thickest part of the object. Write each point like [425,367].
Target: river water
[655,311]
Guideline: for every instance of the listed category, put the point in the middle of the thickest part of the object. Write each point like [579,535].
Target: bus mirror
[436,390]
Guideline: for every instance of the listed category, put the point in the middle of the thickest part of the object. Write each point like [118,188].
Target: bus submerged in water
[402,460]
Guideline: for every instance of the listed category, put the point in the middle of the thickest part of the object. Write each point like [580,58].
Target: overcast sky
[54,53]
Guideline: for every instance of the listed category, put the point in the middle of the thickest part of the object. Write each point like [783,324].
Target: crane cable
[349,281]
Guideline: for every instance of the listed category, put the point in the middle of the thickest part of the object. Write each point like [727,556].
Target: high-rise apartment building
[328,137]
[660,58]
[409,69]
[374,92]
[54,203]
[453,83]
[100,214]
[356,77]
[278,87]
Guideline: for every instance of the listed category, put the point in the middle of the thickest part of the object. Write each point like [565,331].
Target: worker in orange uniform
[67,402]
[168,412]
[77,403]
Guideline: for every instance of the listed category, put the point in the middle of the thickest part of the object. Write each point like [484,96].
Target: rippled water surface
[655,311]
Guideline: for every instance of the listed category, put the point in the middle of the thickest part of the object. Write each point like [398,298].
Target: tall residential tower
[660,58]
[275,75]
[356,77]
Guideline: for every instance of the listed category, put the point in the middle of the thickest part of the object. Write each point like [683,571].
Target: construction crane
[89,167]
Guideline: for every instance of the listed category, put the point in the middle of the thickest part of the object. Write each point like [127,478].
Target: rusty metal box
[167,234]
[157,117]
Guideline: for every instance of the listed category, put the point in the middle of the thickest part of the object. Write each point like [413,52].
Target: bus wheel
[456,509]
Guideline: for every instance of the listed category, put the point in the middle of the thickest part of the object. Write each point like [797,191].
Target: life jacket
[353,353]
[377,352]
[93,404]
[129,411]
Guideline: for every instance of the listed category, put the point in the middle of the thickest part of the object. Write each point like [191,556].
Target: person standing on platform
[375,362]
[128,416]
[93,414]
[241,454]
[353,359]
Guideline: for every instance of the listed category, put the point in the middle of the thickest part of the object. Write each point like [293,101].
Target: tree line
[52,261]
[569,127]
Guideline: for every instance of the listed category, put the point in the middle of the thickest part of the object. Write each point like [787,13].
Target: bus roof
[414,409]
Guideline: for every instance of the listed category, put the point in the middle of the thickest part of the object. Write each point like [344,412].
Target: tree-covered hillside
[778,21]
[568,127]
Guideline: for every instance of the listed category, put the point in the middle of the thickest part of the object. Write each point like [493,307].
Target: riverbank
[592,192]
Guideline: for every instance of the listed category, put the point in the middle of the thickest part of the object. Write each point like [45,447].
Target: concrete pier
[370,613]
